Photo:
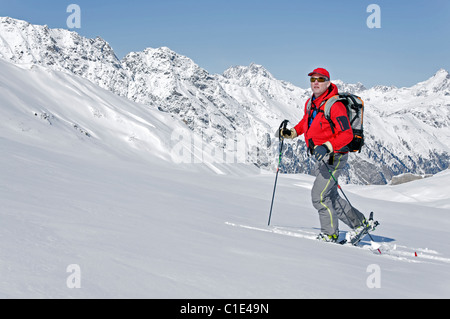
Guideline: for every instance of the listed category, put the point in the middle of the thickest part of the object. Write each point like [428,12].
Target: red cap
[320,71]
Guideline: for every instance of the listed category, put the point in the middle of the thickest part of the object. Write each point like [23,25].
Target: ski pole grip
[282,128]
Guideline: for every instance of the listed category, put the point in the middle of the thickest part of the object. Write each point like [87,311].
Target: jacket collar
[332,90]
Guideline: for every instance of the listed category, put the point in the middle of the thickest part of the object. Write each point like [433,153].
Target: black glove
[292,133]
[320,152]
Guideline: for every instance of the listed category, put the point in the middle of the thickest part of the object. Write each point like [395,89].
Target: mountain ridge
[406,128]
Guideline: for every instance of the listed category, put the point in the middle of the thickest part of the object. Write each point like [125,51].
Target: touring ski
[369,227]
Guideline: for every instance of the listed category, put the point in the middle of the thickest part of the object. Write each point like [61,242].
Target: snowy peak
[23,42]
[159,59]
[351,88]
[253,85]
[164,63]
[438,83]
[62,50]
[247,72]
[440,76]
[174,83]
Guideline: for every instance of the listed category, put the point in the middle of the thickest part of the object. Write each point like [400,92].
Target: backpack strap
[330,102]
[327,110]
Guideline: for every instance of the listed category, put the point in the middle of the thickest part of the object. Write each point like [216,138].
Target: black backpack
[355,112]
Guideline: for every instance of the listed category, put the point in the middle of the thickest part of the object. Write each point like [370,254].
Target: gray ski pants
[326,200]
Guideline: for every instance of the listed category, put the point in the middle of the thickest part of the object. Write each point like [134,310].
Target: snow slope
[88,178]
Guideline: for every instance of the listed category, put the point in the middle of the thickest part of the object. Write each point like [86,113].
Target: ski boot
[327,238]
[357,234]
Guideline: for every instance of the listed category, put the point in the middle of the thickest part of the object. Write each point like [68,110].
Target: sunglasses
[321,79]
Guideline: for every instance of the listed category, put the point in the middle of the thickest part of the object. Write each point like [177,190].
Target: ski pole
[340,188]
[280,138]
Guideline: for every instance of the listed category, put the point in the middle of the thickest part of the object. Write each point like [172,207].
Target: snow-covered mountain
[88,181]
[61,111]
[407,129]
[175,84]
[59,49]
[93,206]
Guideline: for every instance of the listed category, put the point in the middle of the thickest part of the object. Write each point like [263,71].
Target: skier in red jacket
[327,144]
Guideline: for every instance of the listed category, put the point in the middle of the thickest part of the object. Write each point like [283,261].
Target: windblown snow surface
[88,178]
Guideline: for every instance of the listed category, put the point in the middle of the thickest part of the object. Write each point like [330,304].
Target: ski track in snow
[400,252]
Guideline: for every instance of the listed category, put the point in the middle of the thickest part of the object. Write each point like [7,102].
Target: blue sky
[288,37]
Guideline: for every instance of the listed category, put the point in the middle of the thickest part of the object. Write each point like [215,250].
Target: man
[328,145]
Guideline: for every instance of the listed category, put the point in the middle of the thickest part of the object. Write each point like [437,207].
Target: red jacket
[320,130]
